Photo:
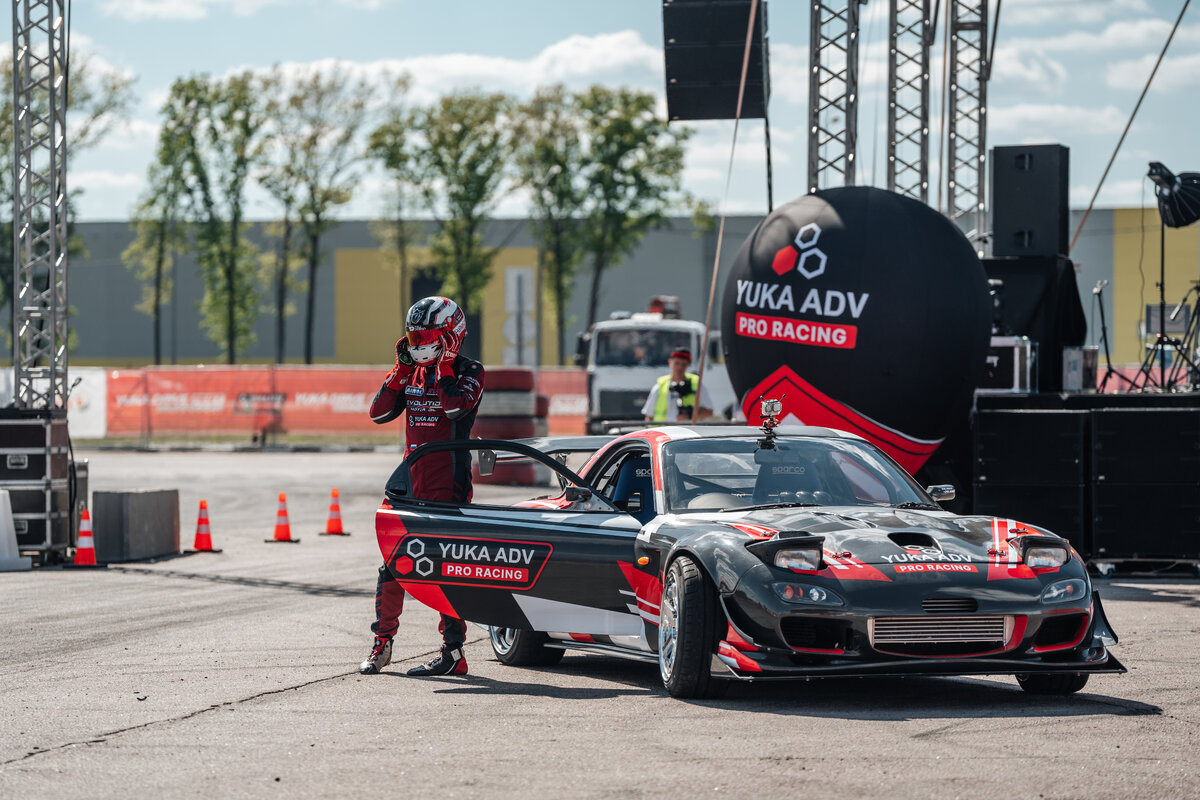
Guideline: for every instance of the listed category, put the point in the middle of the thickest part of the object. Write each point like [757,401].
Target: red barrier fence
[243,400]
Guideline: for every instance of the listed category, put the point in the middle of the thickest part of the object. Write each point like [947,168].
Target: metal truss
[832,92]
[969,70]
[910,37]
[40,204]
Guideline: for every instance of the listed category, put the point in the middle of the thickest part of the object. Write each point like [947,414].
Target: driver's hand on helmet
[404,365]
[450,346]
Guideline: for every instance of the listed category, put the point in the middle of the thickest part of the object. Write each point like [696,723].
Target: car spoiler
[559,445]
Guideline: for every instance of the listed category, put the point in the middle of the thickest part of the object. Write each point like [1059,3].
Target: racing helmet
[429,319]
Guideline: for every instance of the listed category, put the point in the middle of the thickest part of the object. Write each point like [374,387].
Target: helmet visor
[422,338]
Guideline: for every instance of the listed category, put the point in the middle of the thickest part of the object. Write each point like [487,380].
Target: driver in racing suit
[440,390]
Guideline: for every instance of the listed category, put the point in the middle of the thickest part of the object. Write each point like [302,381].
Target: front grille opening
[812,633]
[1058,630]
[913,539]
[932,636]
[950,605]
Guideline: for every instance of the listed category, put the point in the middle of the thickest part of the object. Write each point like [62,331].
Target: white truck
[626,355]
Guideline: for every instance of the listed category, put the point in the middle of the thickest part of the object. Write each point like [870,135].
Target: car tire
[517,648]
[1068,683]
[687,633]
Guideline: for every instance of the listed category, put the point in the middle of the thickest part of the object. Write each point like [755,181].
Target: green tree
[633,169]
[330,110]
[159,232]
[550,163]
[463,167]
[222,123]
[392,145]
[97,101]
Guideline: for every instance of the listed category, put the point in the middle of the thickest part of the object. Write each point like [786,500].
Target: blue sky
[1065,71]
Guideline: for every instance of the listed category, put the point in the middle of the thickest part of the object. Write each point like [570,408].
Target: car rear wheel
[518,648]
[1068,683]
[686,632]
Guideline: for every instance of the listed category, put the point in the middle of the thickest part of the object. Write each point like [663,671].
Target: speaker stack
[1031,466]
[704,42]
[1146,484]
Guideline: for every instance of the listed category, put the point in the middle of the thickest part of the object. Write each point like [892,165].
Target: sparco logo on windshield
[468,561]
[805,257]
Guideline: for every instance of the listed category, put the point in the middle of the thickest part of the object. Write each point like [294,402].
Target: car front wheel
[518,648]
[1068,683]
[686,632]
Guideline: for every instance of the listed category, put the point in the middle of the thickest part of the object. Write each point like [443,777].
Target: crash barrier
[1122,483]
[511,409]
[249,401]
[135,525]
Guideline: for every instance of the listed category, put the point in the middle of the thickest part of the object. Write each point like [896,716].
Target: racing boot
[450,661]
[381,656]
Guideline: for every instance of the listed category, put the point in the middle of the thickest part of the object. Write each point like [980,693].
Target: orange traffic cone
[85,550]
[203,543]
[333,525]
[283,528]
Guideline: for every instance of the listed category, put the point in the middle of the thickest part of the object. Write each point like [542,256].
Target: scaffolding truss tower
[967,117]
[40,204]
[832,93]
[910,37]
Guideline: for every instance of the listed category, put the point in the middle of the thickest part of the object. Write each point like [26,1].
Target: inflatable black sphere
[865,311]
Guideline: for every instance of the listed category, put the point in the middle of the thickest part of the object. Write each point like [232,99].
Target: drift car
[723,553]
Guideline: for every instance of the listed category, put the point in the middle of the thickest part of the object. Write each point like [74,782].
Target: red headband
[684,354]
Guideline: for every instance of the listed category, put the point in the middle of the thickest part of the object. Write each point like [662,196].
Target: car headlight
[1062,591]
[1043,556]
[802,558]
[806,593]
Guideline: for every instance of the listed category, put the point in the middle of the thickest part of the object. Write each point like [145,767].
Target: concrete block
[128,526]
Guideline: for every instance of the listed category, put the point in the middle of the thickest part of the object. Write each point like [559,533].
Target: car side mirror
[940,493]
[487,462]
[634,504]
[575,494]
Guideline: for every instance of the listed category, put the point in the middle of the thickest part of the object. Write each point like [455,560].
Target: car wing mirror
[634,504]
[940,493]
[487,462]
[575,494]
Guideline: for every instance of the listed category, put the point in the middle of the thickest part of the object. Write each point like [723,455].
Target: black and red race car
[725,553]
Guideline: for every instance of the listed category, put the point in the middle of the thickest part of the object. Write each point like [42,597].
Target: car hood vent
[950,605]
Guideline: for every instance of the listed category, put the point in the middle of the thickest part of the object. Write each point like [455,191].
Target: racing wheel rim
[668,631]
[503,639]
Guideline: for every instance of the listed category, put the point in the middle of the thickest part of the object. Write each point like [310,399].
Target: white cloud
[1037,68]
[1176,73]
[1045,121]
[1118,194]
[142,10]
[1068,13]
[103,180]
[1133,34]
[135,134]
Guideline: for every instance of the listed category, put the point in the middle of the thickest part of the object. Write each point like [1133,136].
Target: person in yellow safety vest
[674,396]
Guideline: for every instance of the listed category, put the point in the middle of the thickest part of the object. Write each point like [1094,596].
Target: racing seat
[635,476]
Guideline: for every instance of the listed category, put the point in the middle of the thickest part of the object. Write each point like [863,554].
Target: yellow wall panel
[1136,234]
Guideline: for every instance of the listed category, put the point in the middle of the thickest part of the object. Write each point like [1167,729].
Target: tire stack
[511,409]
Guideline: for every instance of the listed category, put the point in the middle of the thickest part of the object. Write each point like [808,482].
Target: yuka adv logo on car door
[467,561]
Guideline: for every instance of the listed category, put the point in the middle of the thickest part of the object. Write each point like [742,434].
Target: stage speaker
[1030,186]
[703,45]
[1041,301]
[1146,483]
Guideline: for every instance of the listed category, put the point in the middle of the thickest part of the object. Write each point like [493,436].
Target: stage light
[1178,195]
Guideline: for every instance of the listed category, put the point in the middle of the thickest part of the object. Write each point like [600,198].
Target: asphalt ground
[234,675]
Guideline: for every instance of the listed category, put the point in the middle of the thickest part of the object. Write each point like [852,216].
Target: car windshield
[639,347]
[728,473]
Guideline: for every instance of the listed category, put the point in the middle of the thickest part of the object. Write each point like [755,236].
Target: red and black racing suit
[438,411]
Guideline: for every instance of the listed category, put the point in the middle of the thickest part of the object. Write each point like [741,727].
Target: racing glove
[445,364]
[404,366]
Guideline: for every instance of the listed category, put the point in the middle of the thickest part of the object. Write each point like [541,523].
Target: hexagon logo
[811,263]
[808,235]
[424,567]
[404,565]
[416,548]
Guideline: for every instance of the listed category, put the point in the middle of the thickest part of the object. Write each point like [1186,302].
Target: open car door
[552,564]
